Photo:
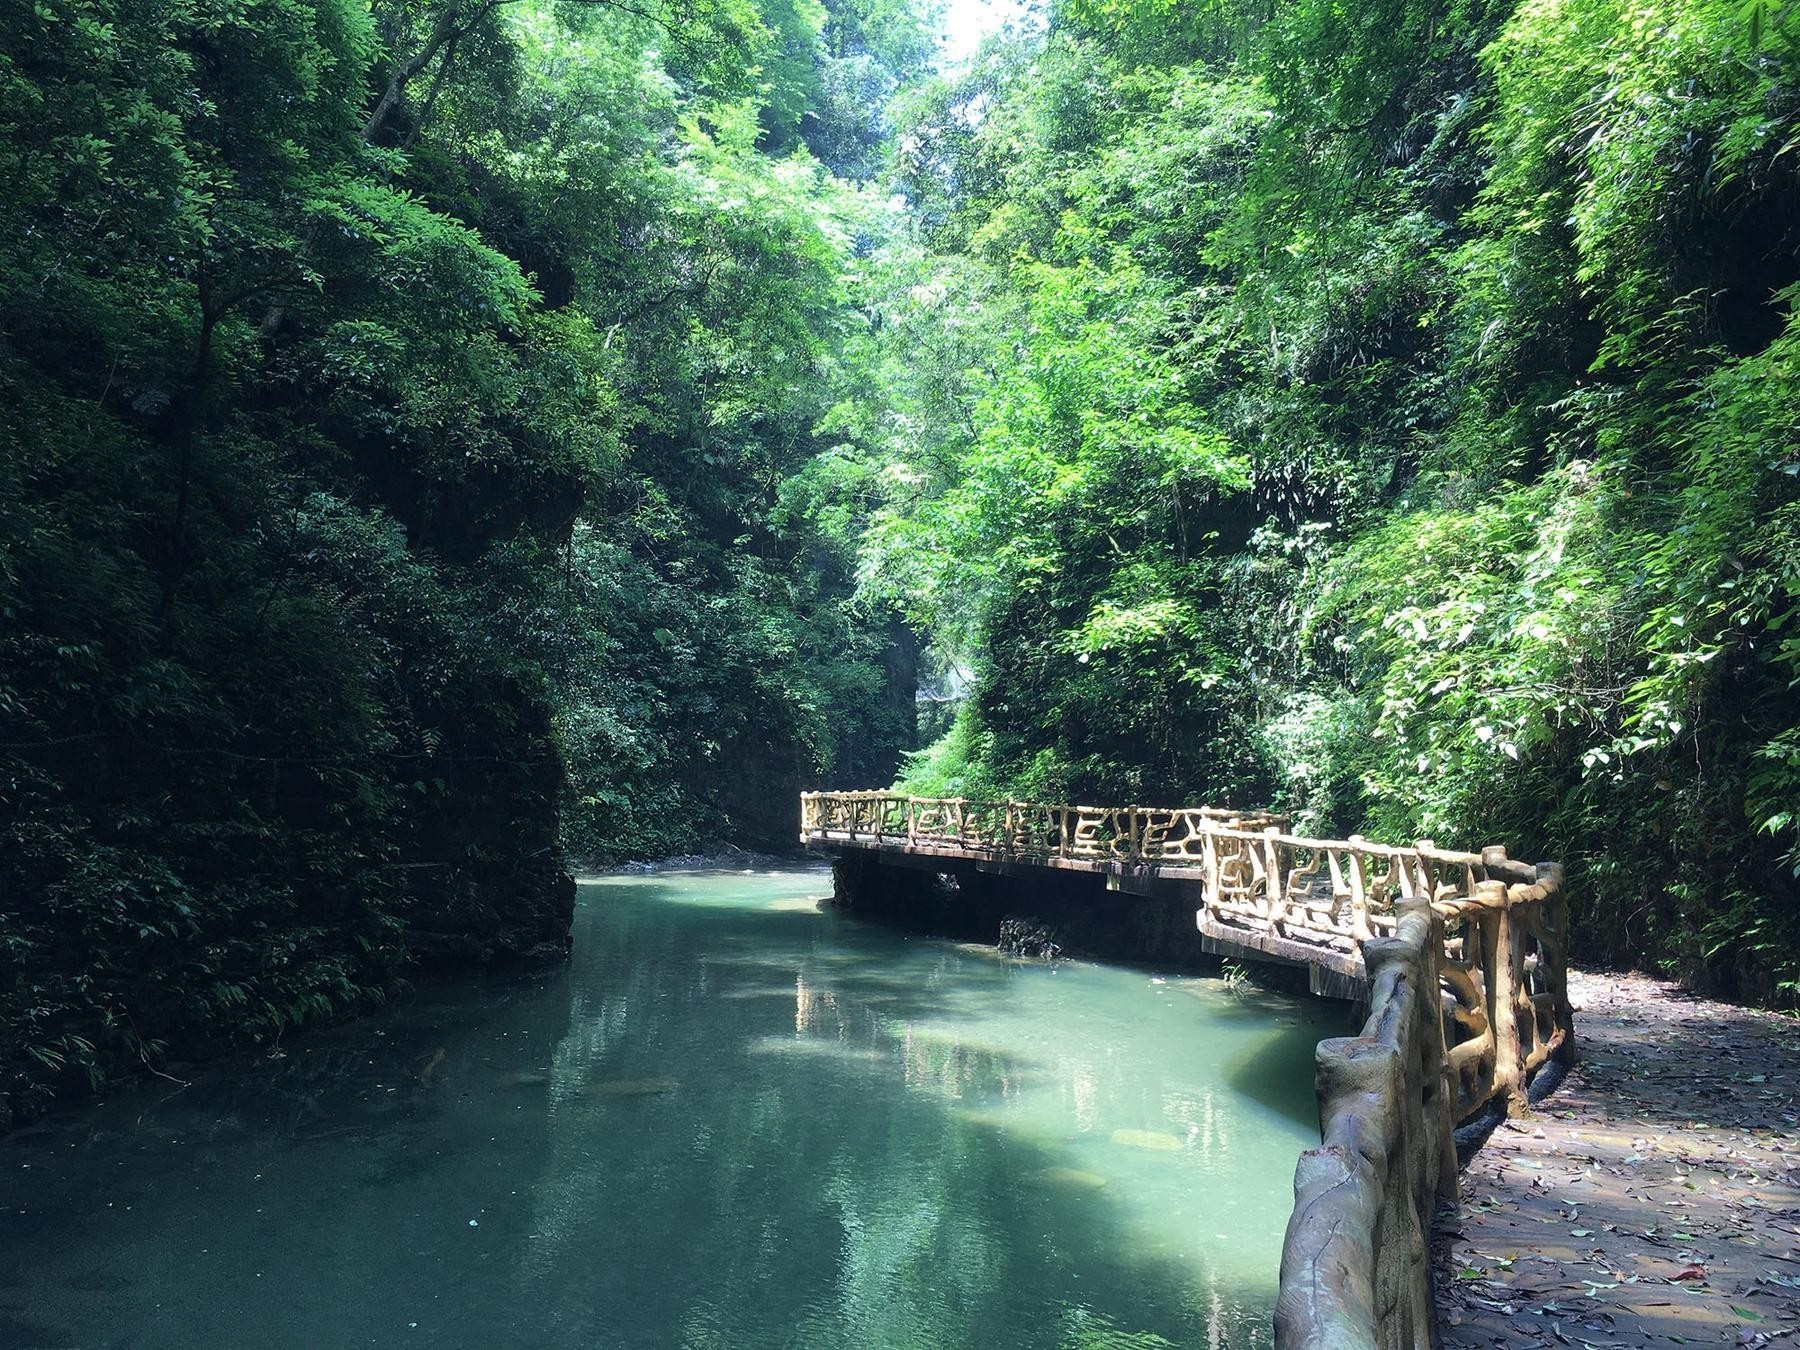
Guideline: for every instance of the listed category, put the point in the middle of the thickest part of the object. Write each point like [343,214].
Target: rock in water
[1150,1139]
[1024,936]
[1067,1179]
[431,1067]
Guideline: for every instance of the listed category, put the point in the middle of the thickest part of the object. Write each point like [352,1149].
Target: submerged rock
[1022,935]
[1155,1140]
[633,1087]
[785,991]
[815,1047]
[1067,1179]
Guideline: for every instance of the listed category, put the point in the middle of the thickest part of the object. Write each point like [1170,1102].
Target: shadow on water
[733,1121]
[1266,1074]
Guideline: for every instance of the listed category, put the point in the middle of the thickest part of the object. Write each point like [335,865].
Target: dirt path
[1652,1200]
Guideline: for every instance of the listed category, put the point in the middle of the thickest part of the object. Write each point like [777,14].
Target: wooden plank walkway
[1653,1201]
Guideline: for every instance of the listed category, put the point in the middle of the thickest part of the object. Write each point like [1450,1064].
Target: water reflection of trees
[719,1127]
[811,1178]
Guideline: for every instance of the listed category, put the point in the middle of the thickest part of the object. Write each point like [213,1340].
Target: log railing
[1502,974]
[1477,938]
[1356,1264]
[1029,830]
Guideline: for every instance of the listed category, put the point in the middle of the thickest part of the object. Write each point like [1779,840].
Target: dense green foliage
[408,419]
[444,437]
[1383,412]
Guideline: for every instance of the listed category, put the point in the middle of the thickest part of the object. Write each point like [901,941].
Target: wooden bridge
[1460,956]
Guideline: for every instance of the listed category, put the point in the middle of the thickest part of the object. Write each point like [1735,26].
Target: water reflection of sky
[733,1121]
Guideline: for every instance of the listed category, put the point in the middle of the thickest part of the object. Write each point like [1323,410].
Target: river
[732,1120]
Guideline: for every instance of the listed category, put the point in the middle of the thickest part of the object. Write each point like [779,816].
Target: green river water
[732,1120]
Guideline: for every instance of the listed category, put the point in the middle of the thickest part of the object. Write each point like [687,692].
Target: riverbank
[1653,1200]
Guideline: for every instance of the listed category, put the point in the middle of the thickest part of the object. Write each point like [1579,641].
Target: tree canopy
[405,482]
[1384,413]
[446,438]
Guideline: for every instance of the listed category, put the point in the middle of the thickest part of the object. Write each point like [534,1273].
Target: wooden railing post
[1440,1183]
[1274,880]
[1359,891]
[1503,1005]
[1550,876]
